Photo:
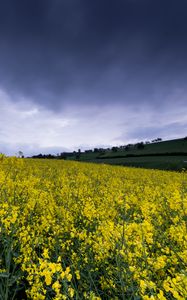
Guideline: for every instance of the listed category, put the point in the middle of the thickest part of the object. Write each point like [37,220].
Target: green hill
[177,146]
[168,155]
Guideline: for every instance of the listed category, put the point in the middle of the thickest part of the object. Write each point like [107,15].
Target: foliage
[73,230]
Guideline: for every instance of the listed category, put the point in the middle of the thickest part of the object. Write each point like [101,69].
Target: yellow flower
[77,273]
[48,278]
[71,292]
[46,253]
[56,286]
[161,296]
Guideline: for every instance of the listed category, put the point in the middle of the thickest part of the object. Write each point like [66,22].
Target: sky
[84,74]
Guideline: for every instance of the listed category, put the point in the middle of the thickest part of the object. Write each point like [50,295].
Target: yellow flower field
[71,230]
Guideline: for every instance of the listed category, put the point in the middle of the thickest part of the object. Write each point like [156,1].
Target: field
[170,162]
[171,146]
[165,155]
[73,230]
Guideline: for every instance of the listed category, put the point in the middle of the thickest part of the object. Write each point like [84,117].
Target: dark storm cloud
[93,51]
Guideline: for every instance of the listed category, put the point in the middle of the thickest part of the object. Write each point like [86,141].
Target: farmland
[164,155]
[75,230]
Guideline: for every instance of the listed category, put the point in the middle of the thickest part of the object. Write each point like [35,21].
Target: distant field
[172,146]
[166,155]
[149,162]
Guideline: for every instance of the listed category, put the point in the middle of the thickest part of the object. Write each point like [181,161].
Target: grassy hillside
[161,162]
[165,147]
[167,155]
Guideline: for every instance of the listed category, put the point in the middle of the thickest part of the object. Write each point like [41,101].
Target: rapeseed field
[71,230]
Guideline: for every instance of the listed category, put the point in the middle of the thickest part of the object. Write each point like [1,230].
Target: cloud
[88,73]
[32,129]
[23,124]
[62,52]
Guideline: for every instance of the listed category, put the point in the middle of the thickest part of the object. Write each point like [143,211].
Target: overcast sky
[83,73]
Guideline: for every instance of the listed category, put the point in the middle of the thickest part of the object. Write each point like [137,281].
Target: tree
[140,145]
[20,154]
[156,140]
